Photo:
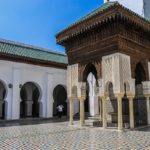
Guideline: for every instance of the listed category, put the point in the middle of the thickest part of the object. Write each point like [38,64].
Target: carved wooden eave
[112,14]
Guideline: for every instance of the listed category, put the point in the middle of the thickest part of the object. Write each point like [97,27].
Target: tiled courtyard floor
[60,136]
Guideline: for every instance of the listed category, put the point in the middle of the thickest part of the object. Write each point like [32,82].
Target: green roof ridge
[100,9]
[29,51]
[91,14]
[36,48]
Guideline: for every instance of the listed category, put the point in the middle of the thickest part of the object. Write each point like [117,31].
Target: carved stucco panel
[116,73]
[107,69]
[72,80]
[116,68]
[125,71]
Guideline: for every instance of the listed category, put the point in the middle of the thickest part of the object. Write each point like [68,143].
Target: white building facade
[26,89]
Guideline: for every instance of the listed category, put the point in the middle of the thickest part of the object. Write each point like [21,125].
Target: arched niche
[109,91]
[140,107]
[3,95]
[90,77]
[140,76]
[60,97]
[112,106]
[30,94]
[90,68]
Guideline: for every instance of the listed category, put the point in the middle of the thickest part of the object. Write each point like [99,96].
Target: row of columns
[104,111]
[82,111]
[120,113]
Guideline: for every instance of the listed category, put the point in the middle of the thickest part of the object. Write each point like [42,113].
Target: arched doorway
[2,99]
[30,94]
[140,109]
[139,77]
[60,97]
[90,77]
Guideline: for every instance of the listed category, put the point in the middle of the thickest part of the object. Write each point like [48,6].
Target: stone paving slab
[61,136]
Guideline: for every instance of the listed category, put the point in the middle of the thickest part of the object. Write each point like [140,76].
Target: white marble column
[16,94]
[120,115]
[49,99]
[104,112]
[82,111]
[131,111]
[29,100]
[100,109]
[8,104]
[71,110]
[148,109]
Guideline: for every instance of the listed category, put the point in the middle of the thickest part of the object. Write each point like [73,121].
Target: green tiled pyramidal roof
[27,51]
[100,9]
[93,13]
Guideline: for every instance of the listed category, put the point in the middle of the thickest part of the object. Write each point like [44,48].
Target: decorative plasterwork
[146,87]
[116,69]
[72,80]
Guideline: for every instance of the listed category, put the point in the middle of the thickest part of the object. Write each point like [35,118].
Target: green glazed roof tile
[100,9]
[105,6]
[27,51]
[93,13]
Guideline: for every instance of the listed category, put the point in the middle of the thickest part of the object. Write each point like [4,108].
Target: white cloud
[134,5]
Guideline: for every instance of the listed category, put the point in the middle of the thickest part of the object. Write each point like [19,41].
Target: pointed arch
[140,74]
[3,95]
[90,68]
[60,97]
[30,94]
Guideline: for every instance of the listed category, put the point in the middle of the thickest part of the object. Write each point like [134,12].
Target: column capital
[81,98]
[147,95]
[130,95]
[71,98]
[103,97]
[120,95]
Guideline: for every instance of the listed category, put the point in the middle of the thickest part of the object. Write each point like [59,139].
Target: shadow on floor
[31,121]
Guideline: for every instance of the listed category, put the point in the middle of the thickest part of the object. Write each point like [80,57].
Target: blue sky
[36,22]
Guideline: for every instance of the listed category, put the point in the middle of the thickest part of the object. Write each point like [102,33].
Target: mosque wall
[15,75]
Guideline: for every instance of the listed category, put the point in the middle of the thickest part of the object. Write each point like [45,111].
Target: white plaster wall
[19,73]
[134,5]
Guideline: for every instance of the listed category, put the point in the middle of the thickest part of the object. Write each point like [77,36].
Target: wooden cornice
[117,12]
